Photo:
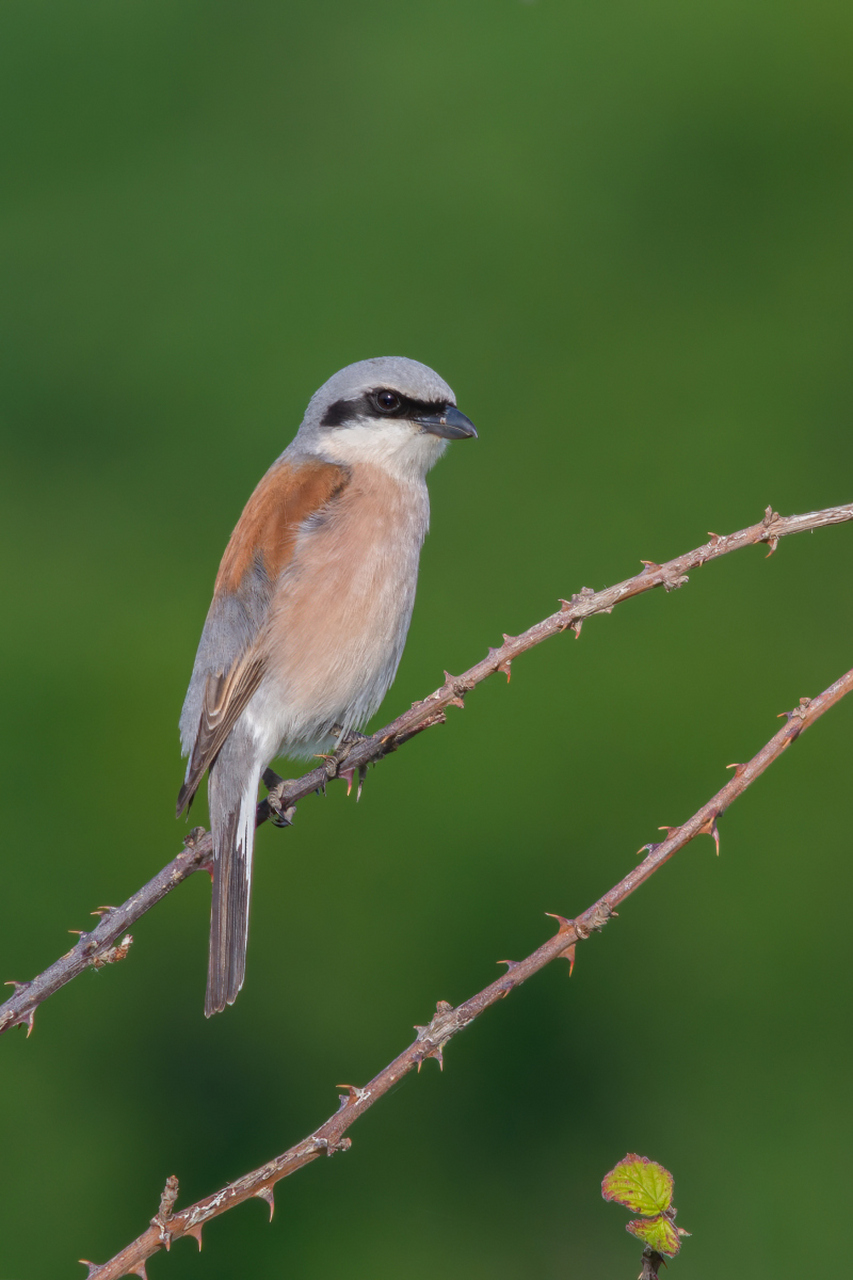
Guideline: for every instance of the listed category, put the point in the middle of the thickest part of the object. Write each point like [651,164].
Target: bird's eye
[387,401]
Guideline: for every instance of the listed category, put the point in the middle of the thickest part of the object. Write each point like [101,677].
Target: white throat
[399,448]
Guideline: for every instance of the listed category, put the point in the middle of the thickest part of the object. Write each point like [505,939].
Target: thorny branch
[168,1226]
[100,945]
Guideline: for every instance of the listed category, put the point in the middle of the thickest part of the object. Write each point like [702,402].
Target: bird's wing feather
[226,695]
[231,660]
[289,494]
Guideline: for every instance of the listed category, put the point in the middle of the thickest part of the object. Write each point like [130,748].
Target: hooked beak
[449,423]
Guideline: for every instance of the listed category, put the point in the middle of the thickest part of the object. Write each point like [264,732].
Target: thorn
[510,964]
[195,1232]
[575,624]
[738,768]
[709,828]
[502,666]
[773,543]
[799,712]
[266,1193]
[564,924]
[569,954]
[669,830]
[354,1094]
[436,1053]
[650,566]
[103,911]
[349,774]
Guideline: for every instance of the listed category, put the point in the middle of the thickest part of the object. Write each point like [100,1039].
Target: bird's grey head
[389,411]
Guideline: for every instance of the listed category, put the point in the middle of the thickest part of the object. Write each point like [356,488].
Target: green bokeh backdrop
[622,233]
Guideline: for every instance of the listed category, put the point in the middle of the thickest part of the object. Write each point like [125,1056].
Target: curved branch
[99,946]
[168,1226]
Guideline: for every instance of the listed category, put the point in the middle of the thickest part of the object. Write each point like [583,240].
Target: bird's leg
[276,788]
[347,739]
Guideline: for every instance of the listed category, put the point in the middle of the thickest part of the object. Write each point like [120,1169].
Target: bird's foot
[283,812]
[346,741]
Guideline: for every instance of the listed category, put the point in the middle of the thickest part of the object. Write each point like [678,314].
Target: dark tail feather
[185,798]
[229,914]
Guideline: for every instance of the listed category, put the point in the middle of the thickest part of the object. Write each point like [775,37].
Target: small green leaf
[640,1184]
[660,1233]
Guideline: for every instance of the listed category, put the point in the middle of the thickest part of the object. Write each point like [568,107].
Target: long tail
[232,814]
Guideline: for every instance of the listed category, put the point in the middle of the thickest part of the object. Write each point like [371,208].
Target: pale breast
[341,611]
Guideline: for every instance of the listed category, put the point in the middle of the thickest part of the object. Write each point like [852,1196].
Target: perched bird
[310,610]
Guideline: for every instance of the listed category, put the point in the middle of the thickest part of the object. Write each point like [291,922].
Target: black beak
[448,423]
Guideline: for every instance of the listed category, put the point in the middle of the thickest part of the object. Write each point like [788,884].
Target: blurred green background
[622,232]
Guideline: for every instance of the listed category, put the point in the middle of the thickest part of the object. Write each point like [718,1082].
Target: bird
[310,611]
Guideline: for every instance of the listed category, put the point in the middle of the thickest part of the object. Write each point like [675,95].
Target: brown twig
[168,1226]
[20,1008]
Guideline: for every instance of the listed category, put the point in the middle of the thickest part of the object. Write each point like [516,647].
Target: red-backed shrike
[310,610]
